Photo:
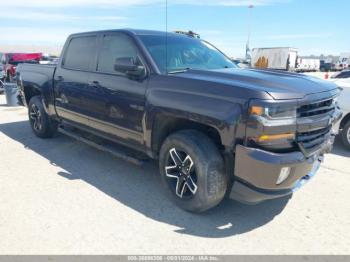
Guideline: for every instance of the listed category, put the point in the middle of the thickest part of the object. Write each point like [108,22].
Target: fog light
[285,172]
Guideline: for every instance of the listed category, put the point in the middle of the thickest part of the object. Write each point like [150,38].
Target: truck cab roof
[136,32]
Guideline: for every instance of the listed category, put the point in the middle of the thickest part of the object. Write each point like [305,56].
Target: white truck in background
[344,61]
[308,64]
[278,58]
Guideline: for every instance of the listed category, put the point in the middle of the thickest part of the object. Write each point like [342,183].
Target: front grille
[315,116]
[315,109]
[311,139]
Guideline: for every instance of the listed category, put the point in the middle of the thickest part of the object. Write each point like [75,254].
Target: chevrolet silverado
[215,129]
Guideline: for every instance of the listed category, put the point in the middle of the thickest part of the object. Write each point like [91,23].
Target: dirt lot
[59,196]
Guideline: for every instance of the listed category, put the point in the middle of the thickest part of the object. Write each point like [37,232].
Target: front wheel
[192,171]
[40,121]
[346,135]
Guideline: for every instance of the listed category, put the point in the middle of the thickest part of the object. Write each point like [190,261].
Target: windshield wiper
[179,70]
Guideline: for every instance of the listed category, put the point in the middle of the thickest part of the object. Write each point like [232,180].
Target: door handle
[60,78]
[95,84]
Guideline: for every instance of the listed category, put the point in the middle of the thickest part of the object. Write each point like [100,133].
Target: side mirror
[128,66]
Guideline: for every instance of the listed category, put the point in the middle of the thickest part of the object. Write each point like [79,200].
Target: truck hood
[278,84]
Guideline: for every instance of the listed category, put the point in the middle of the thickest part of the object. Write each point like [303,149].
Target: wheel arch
[164,125]
[31,91]
[344,121]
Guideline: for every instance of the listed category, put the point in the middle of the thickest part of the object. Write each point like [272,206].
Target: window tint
[80,53]
[184,52]
[114,47]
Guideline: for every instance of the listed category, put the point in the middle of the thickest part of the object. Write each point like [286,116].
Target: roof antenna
[166,36]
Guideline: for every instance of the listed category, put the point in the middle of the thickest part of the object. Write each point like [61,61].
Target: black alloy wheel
[181,173]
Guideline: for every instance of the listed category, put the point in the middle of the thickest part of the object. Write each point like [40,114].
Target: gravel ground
[59,196]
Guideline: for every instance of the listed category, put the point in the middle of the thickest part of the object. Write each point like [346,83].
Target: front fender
[224,116]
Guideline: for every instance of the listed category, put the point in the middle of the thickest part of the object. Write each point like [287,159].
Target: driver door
[122,98]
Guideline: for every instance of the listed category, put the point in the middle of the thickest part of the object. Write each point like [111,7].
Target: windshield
[184,53]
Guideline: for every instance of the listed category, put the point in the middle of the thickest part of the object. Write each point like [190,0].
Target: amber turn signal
[264,138]
[257,110]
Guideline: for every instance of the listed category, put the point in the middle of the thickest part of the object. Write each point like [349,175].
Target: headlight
[271,115]
[281,112]
[273,123]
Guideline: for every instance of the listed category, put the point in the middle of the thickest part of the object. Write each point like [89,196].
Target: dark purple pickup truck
[216,130]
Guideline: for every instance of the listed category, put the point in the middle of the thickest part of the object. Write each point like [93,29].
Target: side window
[114,47]
[80,53]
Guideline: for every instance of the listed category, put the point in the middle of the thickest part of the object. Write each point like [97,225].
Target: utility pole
[250,16]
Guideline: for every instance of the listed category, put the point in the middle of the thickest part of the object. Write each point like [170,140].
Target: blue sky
[314,27]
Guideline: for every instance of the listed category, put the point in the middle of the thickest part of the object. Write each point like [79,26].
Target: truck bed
[36,76]
[36,68]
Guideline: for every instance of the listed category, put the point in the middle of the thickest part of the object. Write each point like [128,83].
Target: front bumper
[256,172]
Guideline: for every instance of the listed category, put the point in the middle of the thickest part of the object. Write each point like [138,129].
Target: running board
[105,148]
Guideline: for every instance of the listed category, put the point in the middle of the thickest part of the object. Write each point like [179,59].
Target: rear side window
[80,53]
[114,47]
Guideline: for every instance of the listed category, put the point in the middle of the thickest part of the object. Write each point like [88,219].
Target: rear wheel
[192,171]
[346,135]
[40,122]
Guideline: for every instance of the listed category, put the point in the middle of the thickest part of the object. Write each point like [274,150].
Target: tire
[198,182]
[345,134]
[41,124]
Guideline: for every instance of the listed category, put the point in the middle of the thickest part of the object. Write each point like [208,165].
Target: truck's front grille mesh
[315,115]
[313,138]
[315,109]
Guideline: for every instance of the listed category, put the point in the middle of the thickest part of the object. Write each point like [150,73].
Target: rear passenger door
[71,78]
[123,97]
